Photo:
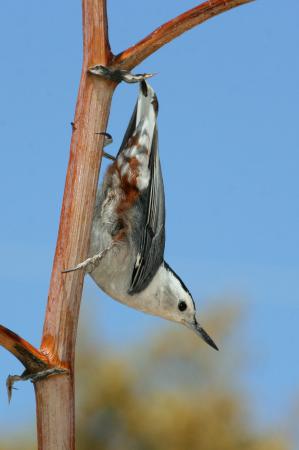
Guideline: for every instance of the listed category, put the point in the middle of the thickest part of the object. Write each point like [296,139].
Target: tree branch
[92,109]
[31,358]
[170,30]
[37,365]
[55,395]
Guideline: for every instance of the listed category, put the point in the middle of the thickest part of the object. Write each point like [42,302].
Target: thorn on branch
[118,75]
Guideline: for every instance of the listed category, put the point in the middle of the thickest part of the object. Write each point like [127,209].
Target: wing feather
[151,248]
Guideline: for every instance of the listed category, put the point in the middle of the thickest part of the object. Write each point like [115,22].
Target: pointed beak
[203,334]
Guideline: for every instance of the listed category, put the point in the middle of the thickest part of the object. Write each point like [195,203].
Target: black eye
[182,306]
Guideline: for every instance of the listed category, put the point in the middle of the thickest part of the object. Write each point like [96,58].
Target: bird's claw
[86,265]
[90,263]
[107,140]
[108,156]
[119,75]
[107,137]
[33,377]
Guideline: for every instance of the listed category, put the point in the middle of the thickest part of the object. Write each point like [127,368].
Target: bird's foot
[90,263]
[33,377]
[108,156]
[118,75]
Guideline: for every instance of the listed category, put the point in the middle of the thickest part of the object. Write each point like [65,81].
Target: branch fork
[37,364]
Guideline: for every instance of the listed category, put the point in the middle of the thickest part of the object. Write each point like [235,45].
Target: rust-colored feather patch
[128,184]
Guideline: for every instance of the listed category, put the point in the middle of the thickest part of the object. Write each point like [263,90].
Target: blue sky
[228,129]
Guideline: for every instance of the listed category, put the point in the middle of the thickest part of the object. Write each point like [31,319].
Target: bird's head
[178,305]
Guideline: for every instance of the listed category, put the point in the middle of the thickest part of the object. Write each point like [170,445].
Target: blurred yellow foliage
[171,393]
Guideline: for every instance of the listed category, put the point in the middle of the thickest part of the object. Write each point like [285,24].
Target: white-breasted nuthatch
[128,231]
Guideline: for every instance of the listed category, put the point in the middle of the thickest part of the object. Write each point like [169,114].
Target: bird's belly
[114,273]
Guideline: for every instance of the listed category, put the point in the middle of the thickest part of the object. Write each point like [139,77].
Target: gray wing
[151,245]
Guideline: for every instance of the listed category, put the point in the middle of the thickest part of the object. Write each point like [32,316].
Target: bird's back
[130,205]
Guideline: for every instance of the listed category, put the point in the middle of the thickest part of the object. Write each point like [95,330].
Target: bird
[126,254]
